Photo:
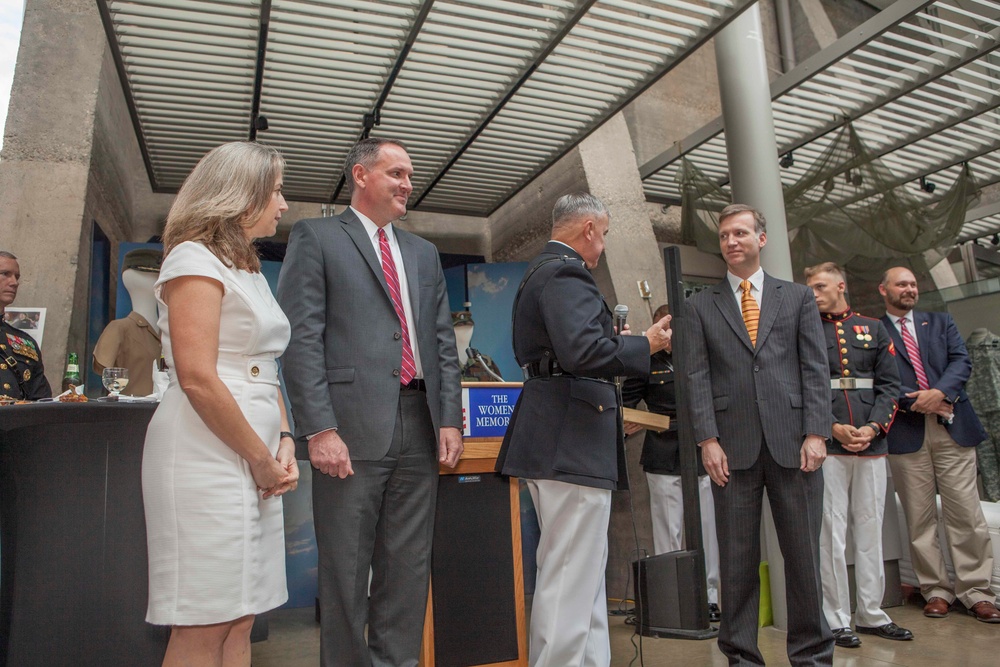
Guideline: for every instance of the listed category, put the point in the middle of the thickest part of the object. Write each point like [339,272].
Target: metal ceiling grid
[917,80]
[190,68]
[465,61]
[611,54]
[327,63]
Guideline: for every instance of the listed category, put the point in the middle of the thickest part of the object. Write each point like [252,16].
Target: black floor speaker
[670,600]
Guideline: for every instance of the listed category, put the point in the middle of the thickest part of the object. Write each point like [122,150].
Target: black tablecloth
[73,585]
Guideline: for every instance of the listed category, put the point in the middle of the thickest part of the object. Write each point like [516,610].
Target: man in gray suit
[372,373]
[759,402]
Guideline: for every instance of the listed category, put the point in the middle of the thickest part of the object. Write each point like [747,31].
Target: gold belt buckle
[848,383]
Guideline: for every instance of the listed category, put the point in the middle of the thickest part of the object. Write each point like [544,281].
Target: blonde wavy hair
[226,192]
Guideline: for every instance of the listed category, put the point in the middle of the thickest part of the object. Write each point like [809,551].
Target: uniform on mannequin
[472,368]
[133,342]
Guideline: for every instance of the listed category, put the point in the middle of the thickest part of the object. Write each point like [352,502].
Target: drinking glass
[114,379]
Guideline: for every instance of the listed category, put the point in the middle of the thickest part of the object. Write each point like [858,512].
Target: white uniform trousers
[666,509]
[569,611]
[853,491]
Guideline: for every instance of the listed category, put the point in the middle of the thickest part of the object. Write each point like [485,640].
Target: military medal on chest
[862,332]
[23,347]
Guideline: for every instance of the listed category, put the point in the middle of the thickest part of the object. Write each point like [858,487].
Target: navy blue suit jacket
[946,363]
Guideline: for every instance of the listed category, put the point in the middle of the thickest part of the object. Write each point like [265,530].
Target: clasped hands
[931,402]
[853,439]
[329,454]
[277,475]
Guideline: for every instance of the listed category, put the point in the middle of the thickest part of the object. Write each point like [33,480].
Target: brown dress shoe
[986,612]
[936,608]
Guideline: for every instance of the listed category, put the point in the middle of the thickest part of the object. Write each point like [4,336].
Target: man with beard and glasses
[932,448]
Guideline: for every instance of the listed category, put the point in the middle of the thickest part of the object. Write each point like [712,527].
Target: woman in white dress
[217,455]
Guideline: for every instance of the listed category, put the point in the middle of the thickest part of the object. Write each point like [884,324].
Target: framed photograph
[29,320]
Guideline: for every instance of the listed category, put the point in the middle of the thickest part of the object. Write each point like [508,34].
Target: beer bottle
[72,376]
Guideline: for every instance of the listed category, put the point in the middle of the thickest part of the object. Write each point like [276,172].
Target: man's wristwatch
[285,434]
[875,426]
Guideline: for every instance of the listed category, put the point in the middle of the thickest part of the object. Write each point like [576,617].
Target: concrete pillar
[752,151]
[46,162]
[632,254]
[753,168]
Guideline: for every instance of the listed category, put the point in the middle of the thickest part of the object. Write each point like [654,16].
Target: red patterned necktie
[913,352]
[409,369]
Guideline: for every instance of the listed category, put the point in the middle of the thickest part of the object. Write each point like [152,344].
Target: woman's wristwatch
[285,434]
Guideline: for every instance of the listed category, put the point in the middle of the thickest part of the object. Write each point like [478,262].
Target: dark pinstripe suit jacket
[777,392]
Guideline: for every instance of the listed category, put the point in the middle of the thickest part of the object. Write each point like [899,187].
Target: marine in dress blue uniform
[864,384]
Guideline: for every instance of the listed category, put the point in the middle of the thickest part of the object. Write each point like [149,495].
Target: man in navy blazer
[932,445]
[759,404]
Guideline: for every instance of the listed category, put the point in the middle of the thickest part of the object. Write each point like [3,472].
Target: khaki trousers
[943,466]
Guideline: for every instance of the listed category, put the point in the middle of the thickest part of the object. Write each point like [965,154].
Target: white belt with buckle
[852,383]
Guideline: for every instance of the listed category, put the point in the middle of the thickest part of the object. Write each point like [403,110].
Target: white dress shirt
[909,324]
[372,230]
[756,287]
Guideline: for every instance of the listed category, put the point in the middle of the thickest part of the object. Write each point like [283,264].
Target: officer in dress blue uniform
[864,384]
[565,436]
[22,375]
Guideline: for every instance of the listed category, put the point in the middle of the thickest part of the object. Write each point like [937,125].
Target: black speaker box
[668,595]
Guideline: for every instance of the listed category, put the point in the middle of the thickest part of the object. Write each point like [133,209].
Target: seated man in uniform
[21,373]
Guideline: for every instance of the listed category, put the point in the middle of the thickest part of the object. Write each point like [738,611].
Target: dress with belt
[216,548]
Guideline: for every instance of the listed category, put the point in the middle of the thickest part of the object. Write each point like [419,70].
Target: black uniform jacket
[660,451]
[22,375]
[566,425]
[859,347]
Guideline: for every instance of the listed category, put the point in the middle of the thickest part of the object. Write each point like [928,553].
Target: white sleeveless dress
[216,549]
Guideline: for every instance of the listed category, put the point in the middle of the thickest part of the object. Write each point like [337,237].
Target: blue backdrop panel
[491,290]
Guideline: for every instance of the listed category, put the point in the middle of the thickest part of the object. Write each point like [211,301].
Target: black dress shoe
[714,615]
[887,631]
[844,638]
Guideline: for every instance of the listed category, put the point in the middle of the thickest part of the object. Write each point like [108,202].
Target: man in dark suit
[661,461]
[759,397]
[372,374]
[932,449]
[565,437]
[864,383]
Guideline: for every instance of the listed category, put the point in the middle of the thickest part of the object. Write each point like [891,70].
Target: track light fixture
[787,160]
[926,185]
[995,240]
[260,123]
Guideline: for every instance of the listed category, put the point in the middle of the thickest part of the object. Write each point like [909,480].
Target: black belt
[416,384]
[542,369]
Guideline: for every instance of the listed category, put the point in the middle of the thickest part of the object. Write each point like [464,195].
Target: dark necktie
[408,370]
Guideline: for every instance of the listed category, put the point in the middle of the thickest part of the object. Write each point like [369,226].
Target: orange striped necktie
[751,311]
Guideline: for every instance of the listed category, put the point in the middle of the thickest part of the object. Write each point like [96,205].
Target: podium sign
[487,408]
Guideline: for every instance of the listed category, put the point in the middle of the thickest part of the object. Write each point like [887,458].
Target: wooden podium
[475,610]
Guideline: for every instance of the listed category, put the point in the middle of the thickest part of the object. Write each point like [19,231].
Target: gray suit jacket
[777,392]
[341,367]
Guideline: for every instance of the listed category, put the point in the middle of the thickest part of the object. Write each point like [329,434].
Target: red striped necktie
[408,370]
[913,352]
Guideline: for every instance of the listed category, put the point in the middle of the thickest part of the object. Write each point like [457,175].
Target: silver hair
[576,205]
[8,255]
[366,153]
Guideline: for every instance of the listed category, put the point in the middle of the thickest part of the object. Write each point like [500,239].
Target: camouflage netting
[847,208]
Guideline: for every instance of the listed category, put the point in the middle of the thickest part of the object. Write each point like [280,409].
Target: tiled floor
[958,640]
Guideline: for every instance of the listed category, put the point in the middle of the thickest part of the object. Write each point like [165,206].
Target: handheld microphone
[621,314]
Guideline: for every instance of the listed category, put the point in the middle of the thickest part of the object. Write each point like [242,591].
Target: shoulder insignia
[22,346]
